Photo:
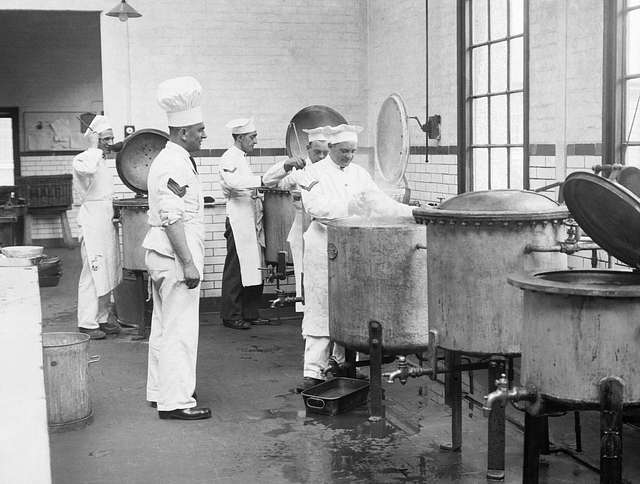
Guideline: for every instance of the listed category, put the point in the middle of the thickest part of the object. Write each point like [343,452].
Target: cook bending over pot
[335,188]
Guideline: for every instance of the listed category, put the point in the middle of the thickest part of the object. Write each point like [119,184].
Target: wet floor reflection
[350,448]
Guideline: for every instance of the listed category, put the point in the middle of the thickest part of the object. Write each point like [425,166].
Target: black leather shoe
[195,413]
[155,404]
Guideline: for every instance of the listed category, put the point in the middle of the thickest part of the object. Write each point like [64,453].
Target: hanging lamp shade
[123,11]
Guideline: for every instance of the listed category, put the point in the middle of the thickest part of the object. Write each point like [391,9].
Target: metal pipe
[563,247]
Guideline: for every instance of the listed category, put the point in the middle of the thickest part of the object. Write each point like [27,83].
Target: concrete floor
[260,431]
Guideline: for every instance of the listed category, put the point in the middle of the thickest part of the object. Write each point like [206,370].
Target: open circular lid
[608,212]
[392,139]
[307,118]
[135,157]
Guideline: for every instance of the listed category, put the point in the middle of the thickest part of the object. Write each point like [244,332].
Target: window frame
[466,97]
[625,78]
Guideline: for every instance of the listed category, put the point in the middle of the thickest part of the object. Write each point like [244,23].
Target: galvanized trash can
[66,361]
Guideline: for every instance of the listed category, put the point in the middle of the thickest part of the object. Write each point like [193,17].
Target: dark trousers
[238,301]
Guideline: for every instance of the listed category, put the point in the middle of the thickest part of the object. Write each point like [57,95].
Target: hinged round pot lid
[392,139]
[607,212]
[307,118]
[135,157]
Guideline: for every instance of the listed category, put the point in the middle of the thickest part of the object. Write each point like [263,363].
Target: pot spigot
[405,371]
[284,300]
[402,373]
[503,394]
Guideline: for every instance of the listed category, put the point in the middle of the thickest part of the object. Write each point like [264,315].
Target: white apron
[95,219]
[296,243]
[242,213]
[316,281]
[244,209]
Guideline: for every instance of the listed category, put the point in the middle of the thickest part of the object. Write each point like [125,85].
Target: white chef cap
[241,126]
[342,133]
[180,98]
[99,124]
[316,134]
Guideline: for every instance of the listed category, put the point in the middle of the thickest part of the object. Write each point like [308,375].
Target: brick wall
[396,64]
[268,59]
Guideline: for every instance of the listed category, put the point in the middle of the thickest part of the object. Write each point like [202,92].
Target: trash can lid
[135,157]
[608,212]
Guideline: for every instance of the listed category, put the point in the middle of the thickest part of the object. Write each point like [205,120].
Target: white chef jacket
[93,182]
[170,201]
[326,194]
[244,210]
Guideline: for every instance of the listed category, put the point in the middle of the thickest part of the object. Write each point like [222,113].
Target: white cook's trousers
[93,310]
[173,342]
[316,355]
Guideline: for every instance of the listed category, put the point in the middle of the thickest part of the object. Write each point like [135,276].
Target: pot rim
[532,281]
[437,215]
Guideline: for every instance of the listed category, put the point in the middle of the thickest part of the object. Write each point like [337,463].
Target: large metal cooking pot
[474,241]
[377,271]
[132,163]
[132,215]
[278,214]
[580,327]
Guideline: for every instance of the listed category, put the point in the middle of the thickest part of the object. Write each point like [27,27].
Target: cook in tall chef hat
[180,99]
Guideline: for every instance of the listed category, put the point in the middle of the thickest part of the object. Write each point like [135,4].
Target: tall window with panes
[631,83]
[495,96]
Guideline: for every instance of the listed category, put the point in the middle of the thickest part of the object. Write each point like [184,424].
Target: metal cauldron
[474,241]
[278,214]
[132,163]
[580,327]
[378,271]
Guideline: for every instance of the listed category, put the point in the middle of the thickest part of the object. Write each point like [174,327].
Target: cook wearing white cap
[101,269]
[288,175]
[241,277]
[175,255]
[339,189]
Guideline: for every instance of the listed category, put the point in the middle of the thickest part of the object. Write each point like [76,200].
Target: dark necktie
[193,162]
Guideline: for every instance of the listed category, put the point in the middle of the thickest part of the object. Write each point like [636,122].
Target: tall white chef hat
[180,98]
[99,124]
[241,125]
[316,134]
[342,133]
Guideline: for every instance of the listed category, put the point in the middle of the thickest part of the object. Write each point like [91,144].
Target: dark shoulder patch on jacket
[175,187]
[311,185]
